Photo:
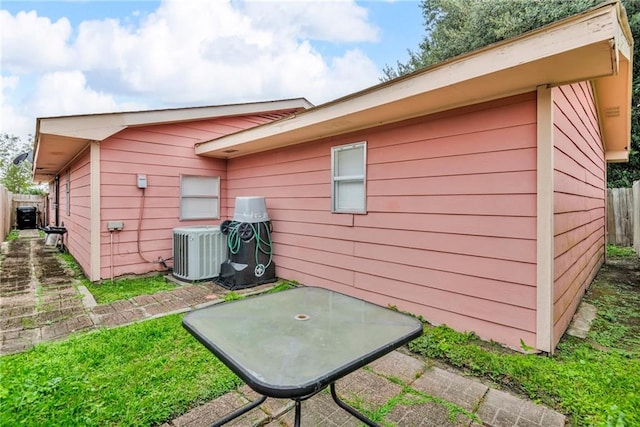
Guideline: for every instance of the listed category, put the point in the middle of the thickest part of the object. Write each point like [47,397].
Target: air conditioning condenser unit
[198,252]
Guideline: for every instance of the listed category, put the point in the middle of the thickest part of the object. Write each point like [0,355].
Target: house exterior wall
[450,226]
[76,219]
[77,199]
[162,153]
[579,199]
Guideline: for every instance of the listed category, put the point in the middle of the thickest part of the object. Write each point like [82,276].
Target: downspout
[56,203]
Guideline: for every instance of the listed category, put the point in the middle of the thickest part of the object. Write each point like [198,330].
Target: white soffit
[59,140]
[582,47]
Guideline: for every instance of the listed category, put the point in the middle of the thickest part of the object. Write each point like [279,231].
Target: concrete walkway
[38,302]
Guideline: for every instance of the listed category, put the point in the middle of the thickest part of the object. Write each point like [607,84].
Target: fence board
[636,217]
[5,212]
[620,216]
[27,200]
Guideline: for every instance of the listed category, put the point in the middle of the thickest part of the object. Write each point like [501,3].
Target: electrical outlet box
[142,181]
[115,225]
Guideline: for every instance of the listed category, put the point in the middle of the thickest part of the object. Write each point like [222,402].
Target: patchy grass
[13,235]
[71,264]
[107,291]
[233,296]
[143,374]
[620,252]
[596,381]
[282,286]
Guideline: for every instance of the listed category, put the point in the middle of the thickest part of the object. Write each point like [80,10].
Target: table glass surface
[298,337]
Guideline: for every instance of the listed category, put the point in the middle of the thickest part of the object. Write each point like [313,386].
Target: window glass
[199,197]
[349,162]
[349,178]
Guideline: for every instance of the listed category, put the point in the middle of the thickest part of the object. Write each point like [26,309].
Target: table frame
[303,393]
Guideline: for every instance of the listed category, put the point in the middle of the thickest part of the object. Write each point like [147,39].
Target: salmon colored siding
[76,220]
[450,226]
[579,199]
[79,214]
[162,153]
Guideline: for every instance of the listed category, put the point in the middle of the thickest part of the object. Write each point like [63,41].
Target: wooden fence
[636,216]
[9,203]
[620,216]
[5,212]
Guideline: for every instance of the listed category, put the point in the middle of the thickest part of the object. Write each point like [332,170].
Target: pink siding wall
[451,223]
[162,153]
[76,220]
[579,199]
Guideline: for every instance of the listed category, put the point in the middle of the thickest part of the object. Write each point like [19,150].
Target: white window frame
[336,179]
[189,195]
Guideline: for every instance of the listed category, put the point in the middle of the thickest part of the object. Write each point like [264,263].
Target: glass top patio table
[294,343]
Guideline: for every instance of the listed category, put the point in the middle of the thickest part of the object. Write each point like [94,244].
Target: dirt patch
[15,273]
[616,294]
[38,299]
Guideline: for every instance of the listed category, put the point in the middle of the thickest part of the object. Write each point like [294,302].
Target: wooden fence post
[636,217]
[5,212]
[620,216]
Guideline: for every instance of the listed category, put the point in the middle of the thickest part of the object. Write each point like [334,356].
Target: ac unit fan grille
[198,252]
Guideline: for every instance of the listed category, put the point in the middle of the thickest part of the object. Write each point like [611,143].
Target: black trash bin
[26,217]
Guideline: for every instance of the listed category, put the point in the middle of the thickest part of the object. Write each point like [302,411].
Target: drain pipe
[111,254]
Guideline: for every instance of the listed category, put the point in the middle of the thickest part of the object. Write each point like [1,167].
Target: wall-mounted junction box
[142,181]
[115,225]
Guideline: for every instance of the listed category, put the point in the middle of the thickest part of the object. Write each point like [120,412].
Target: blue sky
[79,57]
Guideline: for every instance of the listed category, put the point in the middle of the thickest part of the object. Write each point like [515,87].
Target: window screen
[349,178]
[199,197]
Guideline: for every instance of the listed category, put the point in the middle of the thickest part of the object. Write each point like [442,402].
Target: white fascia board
[617,156]
[590,28]
[98,127]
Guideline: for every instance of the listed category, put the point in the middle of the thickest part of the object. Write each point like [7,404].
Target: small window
[199,197]
[349,170]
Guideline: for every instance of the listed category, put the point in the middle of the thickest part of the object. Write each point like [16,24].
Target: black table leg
[296,423]
[235,414]
[349,409]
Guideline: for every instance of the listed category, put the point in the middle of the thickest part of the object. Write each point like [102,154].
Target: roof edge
[99,126]
[589,39]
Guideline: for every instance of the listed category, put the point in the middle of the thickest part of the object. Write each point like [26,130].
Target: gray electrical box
[115,225]
[142,181]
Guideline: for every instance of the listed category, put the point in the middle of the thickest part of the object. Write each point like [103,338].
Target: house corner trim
[544,221]
[94,250]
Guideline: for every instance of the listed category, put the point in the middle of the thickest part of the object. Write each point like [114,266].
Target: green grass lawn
[150,372]
[143,374]
[596,381]
[108,291]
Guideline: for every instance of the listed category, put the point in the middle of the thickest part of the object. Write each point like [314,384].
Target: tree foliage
[454,27]
[16,178]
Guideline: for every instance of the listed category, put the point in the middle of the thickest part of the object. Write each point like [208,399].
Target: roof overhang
[59,140]
[592,46]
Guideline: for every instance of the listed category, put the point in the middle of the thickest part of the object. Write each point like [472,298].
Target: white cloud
[12,121]
[334,21]
[186,53]
[66,92]
[30,42]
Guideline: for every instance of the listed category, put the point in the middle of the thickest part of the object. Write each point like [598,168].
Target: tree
[16,178]
[454,27]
